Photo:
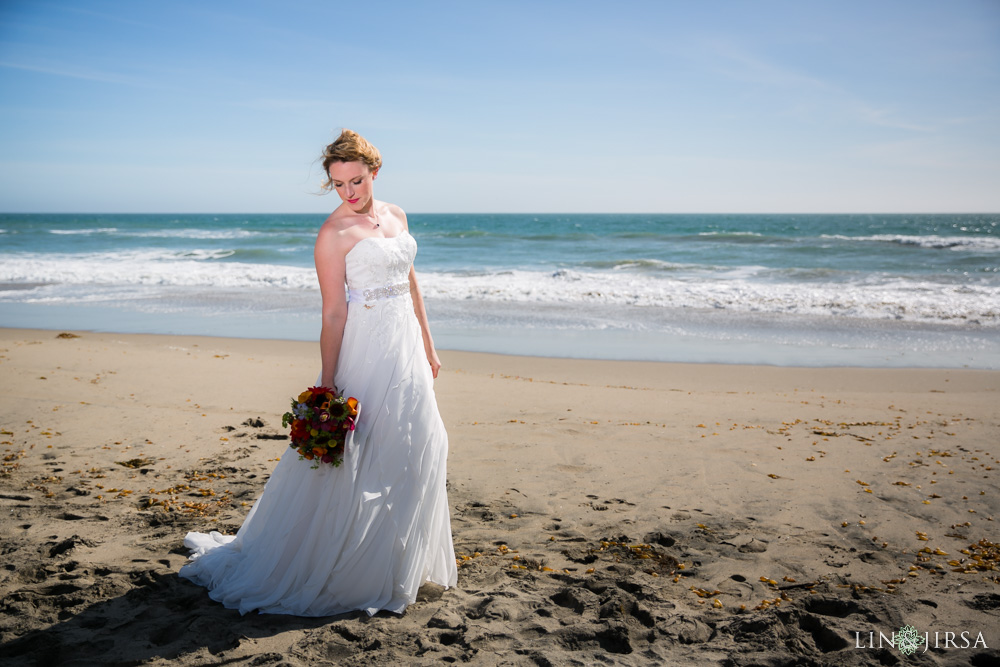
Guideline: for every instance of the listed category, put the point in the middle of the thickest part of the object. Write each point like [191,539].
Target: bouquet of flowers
[321,422]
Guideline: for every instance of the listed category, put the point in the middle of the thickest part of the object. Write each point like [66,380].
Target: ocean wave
[206,254]
[191,268]
[563,237]
[635,265]
[980,243]
[814,274]
[190,233]
[657,267]
[734,289]
[98,230]
[916,301]
[196,234]
[456,234]
[737,239]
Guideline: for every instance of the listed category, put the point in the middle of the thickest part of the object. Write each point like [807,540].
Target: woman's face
[353,182]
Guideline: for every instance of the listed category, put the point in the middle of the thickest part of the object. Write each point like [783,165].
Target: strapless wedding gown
[367,534]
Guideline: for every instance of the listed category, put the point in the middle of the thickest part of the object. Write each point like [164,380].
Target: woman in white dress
[367,534]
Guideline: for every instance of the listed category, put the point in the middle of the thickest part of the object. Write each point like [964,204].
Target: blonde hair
[349,147]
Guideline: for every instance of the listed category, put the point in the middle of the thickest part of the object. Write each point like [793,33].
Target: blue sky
[222,106]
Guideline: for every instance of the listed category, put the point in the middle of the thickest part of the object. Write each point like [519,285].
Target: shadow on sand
[160,616]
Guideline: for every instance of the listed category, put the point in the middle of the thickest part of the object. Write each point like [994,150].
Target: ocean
[804,290]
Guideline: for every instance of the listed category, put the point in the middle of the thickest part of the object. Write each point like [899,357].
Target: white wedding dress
[367,534]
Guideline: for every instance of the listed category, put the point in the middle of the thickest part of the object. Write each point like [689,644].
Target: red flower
[299,429]
[322,392]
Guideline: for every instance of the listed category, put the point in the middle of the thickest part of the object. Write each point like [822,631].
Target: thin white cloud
[101,15]
[78,73]
[924,153]
[742,65]
[287,104]
[885,118]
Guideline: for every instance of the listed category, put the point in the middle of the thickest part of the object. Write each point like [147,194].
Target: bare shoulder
[333,235]
[397,213]
[339,220]
[395,210]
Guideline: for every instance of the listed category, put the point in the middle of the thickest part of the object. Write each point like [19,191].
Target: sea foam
[983,243]
[751,289]
[188,268]
[917,301]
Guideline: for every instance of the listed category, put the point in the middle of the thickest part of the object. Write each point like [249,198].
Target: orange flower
[352,403]
[318,451]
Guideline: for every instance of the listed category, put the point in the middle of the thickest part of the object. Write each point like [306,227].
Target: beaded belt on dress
[376,293]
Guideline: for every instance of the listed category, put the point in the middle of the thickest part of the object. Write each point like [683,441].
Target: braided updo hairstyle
[349,147]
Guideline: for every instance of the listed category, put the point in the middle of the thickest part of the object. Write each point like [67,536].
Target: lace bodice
[378,262]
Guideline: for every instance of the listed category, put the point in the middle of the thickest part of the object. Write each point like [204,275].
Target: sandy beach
[603,512]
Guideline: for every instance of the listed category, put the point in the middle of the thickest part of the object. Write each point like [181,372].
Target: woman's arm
[418,308]
[331,271]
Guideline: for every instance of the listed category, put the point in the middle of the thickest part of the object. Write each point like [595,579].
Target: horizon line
[408,213]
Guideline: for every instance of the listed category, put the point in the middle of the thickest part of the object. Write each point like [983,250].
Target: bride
[367,534]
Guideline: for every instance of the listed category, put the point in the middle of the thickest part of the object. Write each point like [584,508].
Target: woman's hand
[432,359]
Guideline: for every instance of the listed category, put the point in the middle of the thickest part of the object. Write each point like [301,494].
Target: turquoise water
[871,290]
